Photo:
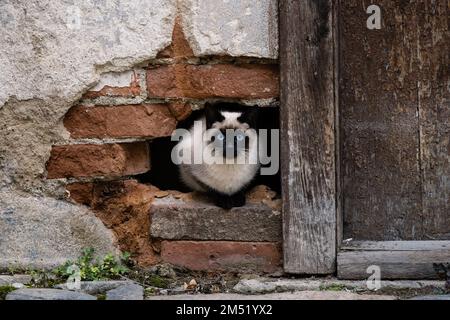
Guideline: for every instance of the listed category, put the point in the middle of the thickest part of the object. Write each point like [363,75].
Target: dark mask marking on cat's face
[212,115]
[236,119]
[231,142]
[250,117]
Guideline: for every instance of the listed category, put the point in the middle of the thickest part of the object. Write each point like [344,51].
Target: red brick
[126,92]
[214,81]
[179,48]
[81,192]
[155,120]
[222,255]
[85,160]
[123,207]
[133,90]
[180,110]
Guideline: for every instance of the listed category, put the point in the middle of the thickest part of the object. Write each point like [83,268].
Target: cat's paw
[238,200]
[228,202]
[224,202]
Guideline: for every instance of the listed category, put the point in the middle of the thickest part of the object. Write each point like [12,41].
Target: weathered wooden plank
[393,264]
[175,219]
[307,135]
[396,245]
[434,117]
[379,122]
[339,180]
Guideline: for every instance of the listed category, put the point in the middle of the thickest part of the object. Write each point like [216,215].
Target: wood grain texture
[397,245]
[433,85]
[393,264]
[394,118]
[337,125]
[307,135]
[396,259]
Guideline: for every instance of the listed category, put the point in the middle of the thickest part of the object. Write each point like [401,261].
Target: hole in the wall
[164,174]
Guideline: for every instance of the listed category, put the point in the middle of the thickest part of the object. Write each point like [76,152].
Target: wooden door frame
[310,162]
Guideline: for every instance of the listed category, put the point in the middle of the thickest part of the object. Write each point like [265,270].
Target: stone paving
[298,295]
[48,294]
[88,290]
[246,289]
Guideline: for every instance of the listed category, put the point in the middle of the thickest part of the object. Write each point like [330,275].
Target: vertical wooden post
[307,35]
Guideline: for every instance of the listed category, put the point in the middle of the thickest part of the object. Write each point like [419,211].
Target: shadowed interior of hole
[164,173]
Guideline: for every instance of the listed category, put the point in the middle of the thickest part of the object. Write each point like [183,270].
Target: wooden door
[395,138]
[365,120]
[395,121]
[308,141]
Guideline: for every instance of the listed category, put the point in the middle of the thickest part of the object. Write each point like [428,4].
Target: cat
[230,157]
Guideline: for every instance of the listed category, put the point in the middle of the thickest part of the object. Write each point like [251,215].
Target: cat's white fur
[224,178]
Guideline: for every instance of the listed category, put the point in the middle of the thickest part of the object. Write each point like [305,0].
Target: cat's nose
[230,149]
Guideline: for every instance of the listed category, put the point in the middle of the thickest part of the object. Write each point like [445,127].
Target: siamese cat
[229,140]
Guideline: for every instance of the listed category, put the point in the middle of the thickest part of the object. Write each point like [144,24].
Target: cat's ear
[212,114]
[250,116]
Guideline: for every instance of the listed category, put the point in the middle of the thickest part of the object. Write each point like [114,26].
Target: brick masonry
[33,107]
[179,48]
[116,84]
[176,219]
[146,120]
[81,192]
[223,255]
[111,129]
[244,81]
[123,206]
[85,160]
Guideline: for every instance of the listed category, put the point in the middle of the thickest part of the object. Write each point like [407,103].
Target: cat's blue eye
[220,137]
[240,137]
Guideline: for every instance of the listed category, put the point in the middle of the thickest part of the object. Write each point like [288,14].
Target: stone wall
[84,89]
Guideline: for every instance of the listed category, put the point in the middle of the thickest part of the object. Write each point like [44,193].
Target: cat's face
[231,128]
